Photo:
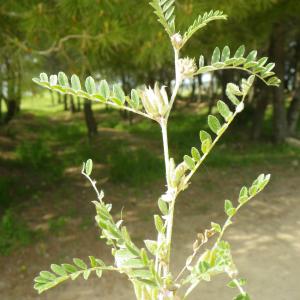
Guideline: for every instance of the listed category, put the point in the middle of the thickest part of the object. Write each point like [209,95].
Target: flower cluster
[155,101]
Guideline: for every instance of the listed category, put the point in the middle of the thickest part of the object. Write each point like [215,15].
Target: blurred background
[45,210]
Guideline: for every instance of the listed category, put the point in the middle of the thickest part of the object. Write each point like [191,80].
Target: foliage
[148,268]
[143,165]
[13,233]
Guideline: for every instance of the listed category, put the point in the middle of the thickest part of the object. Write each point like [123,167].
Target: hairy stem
[164,124]
[164,132]
[177,82]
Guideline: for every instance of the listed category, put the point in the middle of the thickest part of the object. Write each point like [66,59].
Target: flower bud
[176,40]
[178,174]
[155,101]
[187,67]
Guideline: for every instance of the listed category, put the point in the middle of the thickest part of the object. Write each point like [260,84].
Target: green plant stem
[228,221]
[164,125]
[239,287]
[190,289]
[177,82]
[93,183]
[188,177]
[164,131]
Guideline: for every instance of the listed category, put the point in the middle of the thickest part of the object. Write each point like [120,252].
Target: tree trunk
[89,118]
[12,109]
[52,97]
[199,87]
[65,97]
[59,98]
[1,100]
[294,108]
[78,104]
[262,99]
[72,104]
[278,53]
[294,113]
[193,93]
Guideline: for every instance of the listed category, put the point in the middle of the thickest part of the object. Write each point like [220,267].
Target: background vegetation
[44,137]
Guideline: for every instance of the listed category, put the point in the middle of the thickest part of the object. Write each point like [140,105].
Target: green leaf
[216,227]
[40,279]
[231,91]
[225,54]
[104,89]
[63,79]
[144,274]
[80,263]
[242,297]
[195,154]
[224,110]
[119,93]
[189,162]
[201,61]
[53,80]
[90,85]
[233,284]
[135,99]
[253,190]
[243,196]
[163,206]
[75,275]
[89,167]
[206,69]
[205,146]
[75,82]
[216,56]
[159,224]
[144,256]
[99,273]
[251,56]
[214,123]
[44,77]
[47,275]
[86,274]
[202,21]
[205,136]
[203,266]
[133,263]
[262,61]
[93,261]
[151,246]
[229,209]
[58,270]
[69,268]
[240,52]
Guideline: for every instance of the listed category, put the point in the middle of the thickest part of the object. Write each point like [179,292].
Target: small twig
[57,45]
[93,183]
[204,239]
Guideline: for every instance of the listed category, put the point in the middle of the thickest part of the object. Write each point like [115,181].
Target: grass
[13,233]
[48,141]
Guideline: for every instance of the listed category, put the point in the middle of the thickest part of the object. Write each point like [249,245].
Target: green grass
[13,233]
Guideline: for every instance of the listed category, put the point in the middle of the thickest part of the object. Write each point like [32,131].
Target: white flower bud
[155,101]
[176,40]
[240,107]
[187,67]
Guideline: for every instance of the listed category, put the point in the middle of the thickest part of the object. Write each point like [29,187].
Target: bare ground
[265,239]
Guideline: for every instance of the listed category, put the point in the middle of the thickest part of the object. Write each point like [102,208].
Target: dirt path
[265,242]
